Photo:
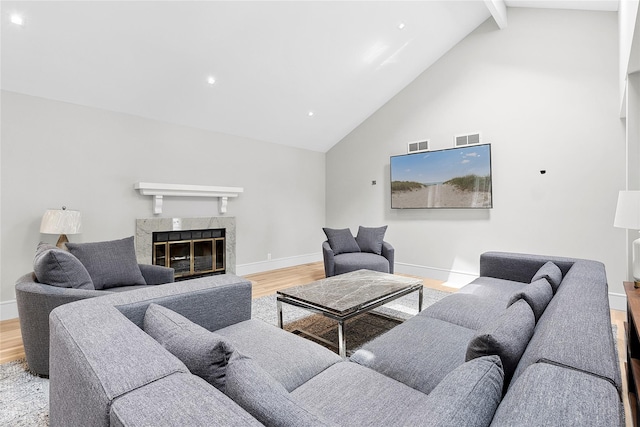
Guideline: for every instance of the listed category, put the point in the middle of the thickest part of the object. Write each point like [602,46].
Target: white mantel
[158,191]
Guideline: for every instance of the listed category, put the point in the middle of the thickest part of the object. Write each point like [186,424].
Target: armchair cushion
[341,240]
[58,267]
[370,239]
[110,264]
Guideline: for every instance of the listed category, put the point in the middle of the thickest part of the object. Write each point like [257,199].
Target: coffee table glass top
[349,292]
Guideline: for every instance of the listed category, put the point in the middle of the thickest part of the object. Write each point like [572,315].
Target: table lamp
[62,222]
[628,216]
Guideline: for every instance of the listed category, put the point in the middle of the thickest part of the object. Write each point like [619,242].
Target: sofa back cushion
[370,239]
[507,336]
[537,294]
[262,396]
[552,273]
[205,353]
[109,264]
[341,240]
[468,396]
[60,268]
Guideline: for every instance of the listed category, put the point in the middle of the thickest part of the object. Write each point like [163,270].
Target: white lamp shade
[628,210]
[59,221]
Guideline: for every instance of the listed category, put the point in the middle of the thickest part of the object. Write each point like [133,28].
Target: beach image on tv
[453,178]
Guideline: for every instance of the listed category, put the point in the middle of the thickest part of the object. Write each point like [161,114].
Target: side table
[633,347]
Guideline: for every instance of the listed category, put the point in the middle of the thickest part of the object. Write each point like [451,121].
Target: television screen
[452,178]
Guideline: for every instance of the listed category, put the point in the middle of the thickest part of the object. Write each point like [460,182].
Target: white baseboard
[8,310]
[617,301]
[274,264]
[452,279]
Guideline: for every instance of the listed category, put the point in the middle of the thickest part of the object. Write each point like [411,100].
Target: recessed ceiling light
[310,113]
[401,26]
[17,19]
[211,80]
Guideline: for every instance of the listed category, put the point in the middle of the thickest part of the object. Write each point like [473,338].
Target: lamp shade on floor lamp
[628,216]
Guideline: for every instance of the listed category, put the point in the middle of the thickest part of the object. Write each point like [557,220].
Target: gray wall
[544,93]
[56,154]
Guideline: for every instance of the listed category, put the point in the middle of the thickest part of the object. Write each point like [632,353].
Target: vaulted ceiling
[299,73]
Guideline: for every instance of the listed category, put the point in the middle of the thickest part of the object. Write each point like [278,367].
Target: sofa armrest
[518,267]
[156,274]
[329,262]
[389,253]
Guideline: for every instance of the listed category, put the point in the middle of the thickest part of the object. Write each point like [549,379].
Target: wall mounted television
[454,178]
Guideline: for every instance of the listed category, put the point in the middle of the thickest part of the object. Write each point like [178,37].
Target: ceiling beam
[498,9]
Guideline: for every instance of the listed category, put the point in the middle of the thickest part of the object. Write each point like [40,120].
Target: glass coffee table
[348,295]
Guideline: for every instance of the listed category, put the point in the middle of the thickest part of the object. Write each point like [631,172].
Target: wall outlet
[177,224]
[268,257]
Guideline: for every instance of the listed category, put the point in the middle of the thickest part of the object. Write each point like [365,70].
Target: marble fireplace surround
[145,227]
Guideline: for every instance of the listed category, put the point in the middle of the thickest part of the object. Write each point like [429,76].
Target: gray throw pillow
[341,240]
[468,396]
[507,336]
[110,264]
[58,267]
[537,294]
[370,239]
[264,397]
[552,273]
[205,353]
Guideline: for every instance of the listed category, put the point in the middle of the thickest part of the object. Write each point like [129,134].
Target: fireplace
[190,253]
[154,235]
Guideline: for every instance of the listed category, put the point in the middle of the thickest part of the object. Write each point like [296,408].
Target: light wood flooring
[269,282]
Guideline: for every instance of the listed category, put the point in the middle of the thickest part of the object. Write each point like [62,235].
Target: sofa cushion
[507,336]
[60,268]
[112,263]
[263,397]
[537,294]
[419,352]
[550,395]
[552,273]
[205,353]
[289,359]
[370,239]
[341,240]
[348,394]
[467,310]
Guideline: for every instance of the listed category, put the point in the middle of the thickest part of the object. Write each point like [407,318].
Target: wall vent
[416,147]
[470,139]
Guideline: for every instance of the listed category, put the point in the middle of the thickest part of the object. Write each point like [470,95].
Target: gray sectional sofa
[131,358]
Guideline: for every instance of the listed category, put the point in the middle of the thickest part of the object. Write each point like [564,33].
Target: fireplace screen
[190,253]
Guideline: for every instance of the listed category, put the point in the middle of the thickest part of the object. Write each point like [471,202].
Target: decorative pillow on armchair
[341,240]
[109,264]
[370,239]
[58,267]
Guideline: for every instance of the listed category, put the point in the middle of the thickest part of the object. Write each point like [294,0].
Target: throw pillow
[552,273]
[507,336]
[341,240]
[264,397]
[109,264]
[205,353]
[468,396]
[57,267]
[370,239]
[537,294]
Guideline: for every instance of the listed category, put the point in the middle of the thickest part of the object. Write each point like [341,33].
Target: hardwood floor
[269,282]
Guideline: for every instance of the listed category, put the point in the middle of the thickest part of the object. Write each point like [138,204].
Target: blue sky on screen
[440,166]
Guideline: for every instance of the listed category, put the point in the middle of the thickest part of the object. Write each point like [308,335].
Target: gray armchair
[352,261]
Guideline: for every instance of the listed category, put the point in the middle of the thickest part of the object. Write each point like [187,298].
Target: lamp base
[62,241]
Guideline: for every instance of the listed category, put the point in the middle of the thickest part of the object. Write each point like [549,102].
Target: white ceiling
[273,62]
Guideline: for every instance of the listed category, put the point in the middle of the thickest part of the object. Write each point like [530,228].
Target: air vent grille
[416,147]
[470,139]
